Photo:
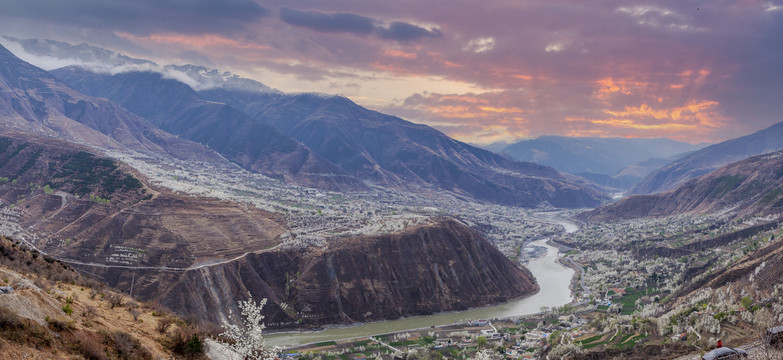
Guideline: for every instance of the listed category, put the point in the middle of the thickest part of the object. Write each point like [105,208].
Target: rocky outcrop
[424,270]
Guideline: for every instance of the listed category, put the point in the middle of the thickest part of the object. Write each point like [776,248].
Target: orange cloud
[627,123]
[609,85]
[451,111]
[694,115]
[192,41]
[464,98]
[400,54]
[504,110]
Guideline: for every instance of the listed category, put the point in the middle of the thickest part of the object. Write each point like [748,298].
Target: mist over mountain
[34,101]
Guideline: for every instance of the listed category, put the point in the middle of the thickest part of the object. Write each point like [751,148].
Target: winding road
[166,268]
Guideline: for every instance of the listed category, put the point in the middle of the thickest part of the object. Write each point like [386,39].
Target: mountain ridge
[710,158]
[751,185]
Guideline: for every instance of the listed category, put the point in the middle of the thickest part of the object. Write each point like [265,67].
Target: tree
[247,341]
[487,354]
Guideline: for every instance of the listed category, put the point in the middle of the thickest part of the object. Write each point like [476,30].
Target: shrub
[164,324]
[126,346]
[89,312]
[186,342]
[91,348]
[114,300]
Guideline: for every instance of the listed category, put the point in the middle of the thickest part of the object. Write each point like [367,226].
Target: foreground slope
[751,185]
[710,158]
[49,311]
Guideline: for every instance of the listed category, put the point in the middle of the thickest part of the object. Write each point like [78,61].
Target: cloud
[337,22]
[401,31]
[480,45]
[355,24]
[140,16]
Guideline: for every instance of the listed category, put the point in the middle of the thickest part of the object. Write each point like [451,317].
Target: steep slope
[756,274]
[175,107]
[420,271]
[32,101]
[52,312]
[754,184]
[606,156]
[389,150]
[710,158]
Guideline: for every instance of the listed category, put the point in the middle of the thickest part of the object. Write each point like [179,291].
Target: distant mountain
[32,101]
[388,150]
[496,147]
[175,107]
[710,158]
[751,185]
[598,159]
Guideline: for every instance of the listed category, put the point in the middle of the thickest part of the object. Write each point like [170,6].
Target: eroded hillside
[420,271]
[77,206]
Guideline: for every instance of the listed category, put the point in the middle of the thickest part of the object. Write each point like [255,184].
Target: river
[554,280]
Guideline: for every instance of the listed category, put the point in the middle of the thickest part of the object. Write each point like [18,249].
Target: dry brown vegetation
[72,320]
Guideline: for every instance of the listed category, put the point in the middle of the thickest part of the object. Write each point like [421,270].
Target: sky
[480,71]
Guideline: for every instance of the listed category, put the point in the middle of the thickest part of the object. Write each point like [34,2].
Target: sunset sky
[480,71]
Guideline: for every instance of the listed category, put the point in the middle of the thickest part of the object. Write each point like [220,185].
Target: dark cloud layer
[338,22]
[355,24]
[140,16]
[401,31]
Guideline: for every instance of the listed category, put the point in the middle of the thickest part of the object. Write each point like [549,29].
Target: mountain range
[317,140]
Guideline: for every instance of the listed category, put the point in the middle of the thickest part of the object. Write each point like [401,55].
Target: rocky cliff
[424,270]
